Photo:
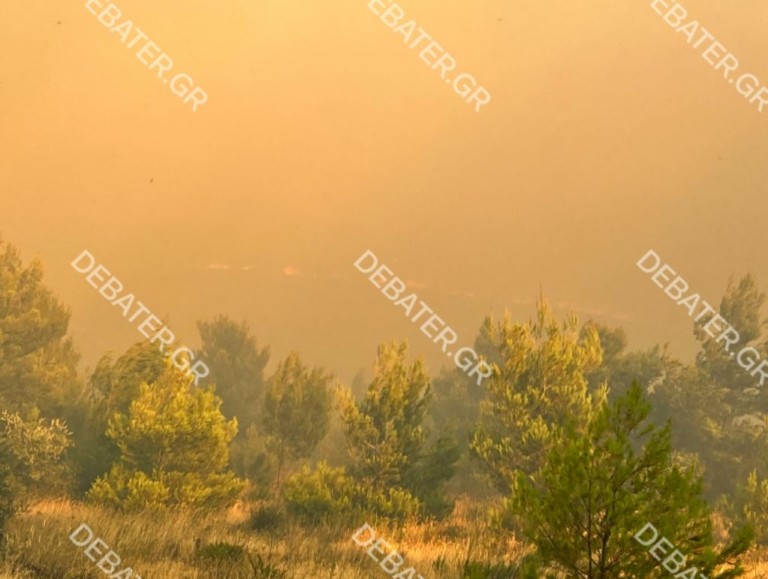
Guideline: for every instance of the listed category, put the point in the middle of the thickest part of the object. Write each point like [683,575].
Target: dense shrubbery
[314,496]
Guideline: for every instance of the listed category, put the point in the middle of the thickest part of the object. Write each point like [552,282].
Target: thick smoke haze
[325,136]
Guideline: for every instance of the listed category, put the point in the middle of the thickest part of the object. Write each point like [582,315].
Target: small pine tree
[398,475]
[596,491]
[173,449]
[384,433]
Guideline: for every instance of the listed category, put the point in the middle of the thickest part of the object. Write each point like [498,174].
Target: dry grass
[757,565]
[164,545]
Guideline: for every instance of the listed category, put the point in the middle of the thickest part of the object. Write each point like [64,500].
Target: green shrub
[119,490]
[327,493]
[133,492]
[314,496]
[390,503]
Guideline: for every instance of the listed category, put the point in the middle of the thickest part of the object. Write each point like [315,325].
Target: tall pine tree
[538,385]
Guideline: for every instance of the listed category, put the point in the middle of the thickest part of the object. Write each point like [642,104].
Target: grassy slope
[164,545]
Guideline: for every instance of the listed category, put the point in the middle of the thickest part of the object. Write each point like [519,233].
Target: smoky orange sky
[325,135]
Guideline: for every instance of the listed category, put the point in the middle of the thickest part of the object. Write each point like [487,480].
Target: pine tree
[237,368]
[38,362]
[384,433]
[173,445]
[620,368]
[741,306]
[600,487]
[111,388]
[114,384]
[716,407]
[393,475]
[296,411]
[538,385]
